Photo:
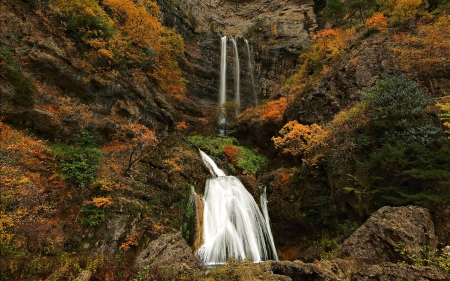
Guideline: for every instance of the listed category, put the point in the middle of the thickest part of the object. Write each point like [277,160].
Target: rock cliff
[276,30]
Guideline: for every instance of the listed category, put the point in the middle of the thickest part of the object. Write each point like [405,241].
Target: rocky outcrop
[394,272]
[168,249]
[392,234]
[365,63]
[276,30]
[320,271]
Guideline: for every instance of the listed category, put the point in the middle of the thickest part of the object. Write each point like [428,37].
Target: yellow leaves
[405,10]
[299,139]
[100,202]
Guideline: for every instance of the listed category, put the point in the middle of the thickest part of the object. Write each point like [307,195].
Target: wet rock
[168,249]
[392,234]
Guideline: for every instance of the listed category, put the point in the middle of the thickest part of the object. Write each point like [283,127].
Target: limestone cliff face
[276,30]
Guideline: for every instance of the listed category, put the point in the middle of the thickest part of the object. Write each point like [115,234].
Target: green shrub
[79,162]
[245,160]
[84,20]
[92,216]
[249,160]
[23,88]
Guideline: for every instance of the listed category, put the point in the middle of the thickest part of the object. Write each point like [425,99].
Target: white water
[250,69]
[237,76]
[233,226]
[223,70]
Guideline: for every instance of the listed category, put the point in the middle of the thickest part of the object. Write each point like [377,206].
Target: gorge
[338,126]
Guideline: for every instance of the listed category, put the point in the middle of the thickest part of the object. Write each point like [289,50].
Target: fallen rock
[168,249]
[392,234]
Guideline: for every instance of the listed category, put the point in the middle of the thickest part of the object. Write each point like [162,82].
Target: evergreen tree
[360,5]
[335,9]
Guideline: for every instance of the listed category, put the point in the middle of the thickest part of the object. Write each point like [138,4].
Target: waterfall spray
[237,95]
[250,69]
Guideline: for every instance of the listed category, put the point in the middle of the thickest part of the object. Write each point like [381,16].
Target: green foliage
[398,151]
[84,20]
[397,97]
[79,162]
[213,145]
[92,216]
[23,88]
[37,4]
[335,9]
[246,159]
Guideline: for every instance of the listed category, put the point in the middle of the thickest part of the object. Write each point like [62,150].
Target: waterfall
[223,70]
[237,76]
[250,69]
[233,225]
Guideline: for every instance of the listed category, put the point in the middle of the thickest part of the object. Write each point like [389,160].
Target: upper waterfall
[223,70]
[237,76]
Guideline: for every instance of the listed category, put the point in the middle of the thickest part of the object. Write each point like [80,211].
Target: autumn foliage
[118,36]
[427,51]
[377,22]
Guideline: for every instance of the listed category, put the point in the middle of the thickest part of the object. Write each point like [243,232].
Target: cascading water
[250,69]
[237,75]
[233,226]
[223,70]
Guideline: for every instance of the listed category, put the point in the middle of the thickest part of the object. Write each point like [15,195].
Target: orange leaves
[270,112]
[100,201]
[274,110]
[230,153]
[130,143]
[130,241]
[377,22]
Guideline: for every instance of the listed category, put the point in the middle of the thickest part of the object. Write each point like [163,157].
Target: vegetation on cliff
[86,182]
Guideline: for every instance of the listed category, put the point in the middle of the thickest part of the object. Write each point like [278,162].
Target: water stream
[233,225]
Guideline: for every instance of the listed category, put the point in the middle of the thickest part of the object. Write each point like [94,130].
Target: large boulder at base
[394,272]
[321,271]
[392,234]
[168,249]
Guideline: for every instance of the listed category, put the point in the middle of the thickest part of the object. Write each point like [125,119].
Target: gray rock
[84,275]
[394,272]
[392,234]
[320,271]
[168,249]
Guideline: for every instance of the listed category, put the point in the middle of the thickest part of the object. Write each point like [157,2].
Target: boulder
[320,271]
[392,234]
[84,275]
[168,249]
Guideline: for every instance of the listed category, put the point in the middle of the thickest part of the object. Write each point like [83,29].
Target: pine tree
[335,9]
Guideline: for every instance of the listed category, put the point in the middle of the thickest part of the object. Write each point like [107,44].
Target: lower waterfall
[233,225]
